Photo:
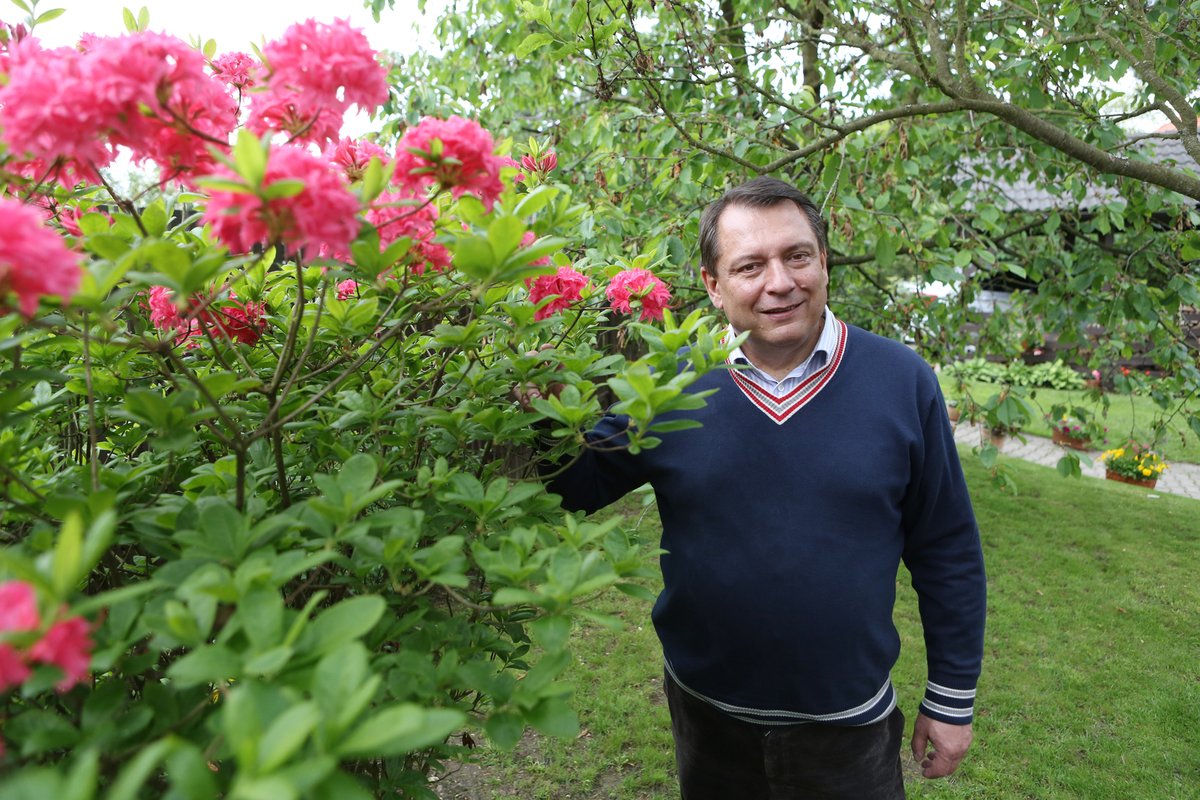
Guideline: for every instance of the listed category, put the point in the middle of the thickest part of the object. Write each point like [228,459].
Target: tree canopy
[1047,147]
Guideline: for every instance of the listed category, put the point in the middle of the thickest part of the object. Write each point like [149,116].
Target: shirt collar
[818,358]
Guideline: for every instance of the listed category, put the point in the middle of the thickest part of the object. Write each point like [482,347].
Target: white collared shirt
[818,358]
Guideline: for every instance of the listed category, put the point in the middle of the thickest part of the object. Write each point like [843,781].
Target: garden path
[1179,478]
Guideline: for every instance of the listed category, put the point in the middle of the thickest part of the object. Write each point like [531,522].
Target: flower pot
[954,413]
[1147,483]
[1067,440]
[998,440]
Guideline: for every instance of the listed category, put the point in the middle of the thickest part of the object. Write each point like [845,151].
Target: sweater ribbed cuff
[954,706]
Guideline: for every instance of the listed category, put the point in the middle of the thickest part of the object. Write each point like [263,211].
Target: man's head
[764,254]
[760,192]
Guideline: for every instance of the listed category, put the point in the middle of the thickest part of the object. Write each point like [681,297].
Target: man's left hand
[950,743]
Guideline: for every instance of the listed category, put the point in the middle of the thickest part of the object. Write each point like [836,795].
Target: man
[820,464]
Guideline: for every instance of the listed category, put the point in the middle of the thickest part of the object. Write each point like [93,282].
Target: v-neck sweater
[784,523]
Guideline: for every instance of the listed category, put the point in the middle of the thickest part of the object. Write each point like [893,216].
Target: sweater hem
[872,711]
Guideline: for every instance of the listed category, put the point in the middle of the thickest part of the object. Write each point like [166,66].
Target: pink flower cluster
[233,320]
[565,287]
[323,214]
[34,260]
[66,644]
[235,70]
[628,292]
[315,73]
[64,111]
[639,286]
[351,156]
[395,214]
[462,160]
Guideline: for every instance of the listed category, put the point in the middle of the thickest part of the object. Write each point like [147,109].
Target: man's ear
[710,284]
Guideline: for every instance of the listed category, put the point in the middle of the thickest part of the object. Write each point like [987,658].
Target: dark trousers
[722,758]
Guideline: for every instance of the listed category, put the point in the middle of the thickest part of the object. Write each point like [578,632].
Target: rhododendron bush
[270,525]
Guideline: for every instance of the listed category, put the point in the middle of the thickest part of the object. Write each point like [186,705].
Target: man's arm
[944,555]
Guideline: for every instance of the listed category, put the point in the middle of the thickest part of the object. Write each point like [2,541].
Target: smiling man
[824,459]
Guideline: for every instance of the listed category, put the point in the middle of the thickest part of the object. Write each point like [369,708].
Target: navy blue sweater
[784,523]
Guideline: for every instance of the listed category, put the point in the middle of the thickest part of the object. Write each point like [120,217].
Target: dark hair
[761,192]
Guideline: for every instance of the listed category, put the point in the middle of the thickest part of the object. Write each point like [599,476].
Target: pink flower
[529,238]
[303,117]
[236,70]
[565,286]
[164,314]
[396,215]
[240,322]
[641,286]
[323,214]
[346,289]
[13,671]
[67,646]
[34,260]
[18,607]
[543,165]
[353,155]
[317,71]
[465,164]
[47,114]
[332,61]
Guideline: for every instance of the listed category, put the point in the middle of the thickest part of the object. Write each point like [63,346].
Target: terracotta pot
[954,413]
[998,439]
[1147,483]
[1067,440]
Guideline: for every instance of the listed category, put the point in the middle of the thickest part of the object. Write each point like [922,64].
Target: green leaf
[81,780]
[554,717]
[505,729]
[343,623]
[287,187]
[250,157]
[885,251]
[46,16]
[210,664]
[286,734]
[68,555]
[138,770]
[401,729]
[532,42]
[189,773]
[357,475]
[637,590]
[474,257]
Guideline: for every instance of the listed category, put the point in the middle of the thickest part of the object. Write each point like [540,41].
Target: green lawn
[1127,416]
[1091,684]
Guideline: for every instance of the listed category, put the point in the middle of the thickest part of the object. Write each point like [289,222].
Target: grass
[1127,416]
[1091,683]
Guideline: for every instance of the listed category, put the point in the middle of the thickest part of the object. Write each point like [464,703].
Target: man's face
[771,281]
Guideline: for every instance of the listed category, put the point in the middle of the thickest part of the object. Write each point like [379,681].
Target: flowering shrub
[1134,461]
[268,522]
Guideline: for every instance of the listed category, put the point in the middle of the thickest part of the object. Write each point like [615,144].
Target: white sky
[234,24]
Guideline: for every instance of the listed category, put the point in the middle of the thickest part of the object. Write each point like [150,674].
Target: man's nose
[779,279]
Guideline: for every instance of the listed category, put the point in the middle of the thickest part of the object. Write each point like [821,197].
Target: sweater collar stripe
[781,408]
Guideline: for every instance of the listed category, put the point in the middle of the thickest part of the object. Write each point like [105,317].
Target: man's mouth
[780,310]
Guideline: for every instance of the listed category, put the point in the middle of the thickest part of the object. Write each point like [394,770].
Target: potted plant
[1004,414]
[1073,428]
[1133,463]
